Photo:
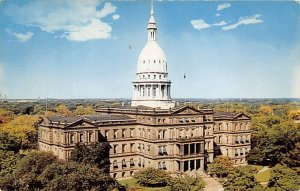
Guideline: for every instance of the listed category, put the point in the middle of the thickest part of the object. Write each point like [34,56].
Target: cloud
[221,23]
[75,20]
[218,14]
[244,21]
[95,30]
[22,37]
[200,24]
[223,6]
[297,1]
[116,17]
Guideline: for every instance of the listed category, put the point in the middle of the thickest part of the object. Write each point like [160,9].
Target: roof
[91,118]
[224,114]
[230,115]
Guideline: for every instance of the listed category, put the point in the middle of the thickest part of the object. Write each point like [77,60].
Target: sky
[89,49]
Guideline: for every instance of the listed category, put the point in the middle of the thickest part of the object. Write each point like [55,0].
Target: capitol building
[152,131]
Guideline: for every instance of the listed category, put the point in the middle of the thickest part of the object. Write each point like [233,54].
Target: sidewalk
[212,185]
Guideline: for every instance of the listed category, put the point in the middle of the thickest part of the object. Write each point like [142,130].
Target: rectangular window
[115,149]
[131,132]
[131,147]
[71,139]
[81,138]
[123,148]
[115,134]
[90,137]
[123,133]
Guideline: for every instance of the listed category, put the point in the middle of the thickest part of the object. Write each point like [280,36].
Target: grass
[258,168]
[134,186]
[264,176]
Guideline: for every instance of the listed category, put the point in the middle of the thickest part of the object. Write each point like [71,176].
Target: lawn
[134,186]
[264,176]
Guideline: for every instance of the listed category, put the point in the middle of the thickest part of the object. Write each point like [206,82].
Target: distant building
[152,132]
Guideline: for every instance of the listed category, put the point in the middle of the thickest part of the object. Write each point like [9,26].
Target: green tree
[6,115]
[186,183]
[28,169]
[62,109]
[19,133]
[240,180]
[8,162]
[95,154]
[283,179]
[152,177]
[75,177]
[221,166]
[84,110]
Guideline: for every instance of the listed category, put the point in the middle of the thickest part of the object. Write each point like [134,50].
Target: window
[115,175]
[123,174]
[115,164]
[115,134]
[148,76]
[149,92]
[71,139]
[165,150]
[123,163]
[123,148]
[154,61]
[81,138]
[131,132]
[144,61]
[106,134]
[164,166]
[159,134]
[131,173]
[131,163]
[236,140]
[115,149]
[140,162]
[90,137]
[160,150]
[159,76]
[148,133]
[123,133]
[159,165]
[154,77]
[131,147]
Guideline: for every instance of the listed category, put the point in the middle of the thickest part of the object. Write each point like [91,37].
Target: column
[195,165]
[181,166]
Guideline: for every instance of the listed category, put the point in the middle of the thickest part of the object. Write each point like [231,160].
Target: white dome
[152,59]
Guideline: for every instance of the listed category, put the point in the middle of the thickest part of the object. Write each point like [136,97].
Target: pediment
[186,110]
[241,116]
[82,123]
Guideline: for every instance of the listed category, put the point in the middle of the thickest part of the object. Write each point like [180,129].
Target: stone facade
[177,140]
